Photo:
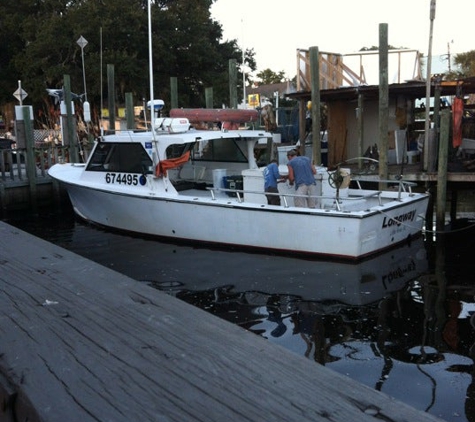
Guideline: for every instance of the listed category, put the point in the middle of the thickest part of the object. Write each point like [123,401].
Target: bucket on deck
[218,180]
[412,157]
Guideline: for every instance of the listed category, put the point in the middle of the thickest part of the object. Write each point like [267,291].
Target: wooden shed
[352,104]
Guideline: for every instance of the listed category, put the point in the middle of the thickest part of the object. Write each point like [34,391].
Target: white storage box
[253,180]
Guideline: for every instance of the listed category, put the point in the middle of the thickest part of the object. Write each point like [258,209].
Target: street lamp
[82,42]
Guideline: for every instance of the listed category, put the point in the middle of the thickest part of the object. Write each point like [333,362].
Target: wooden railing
[14,162]
[334,73]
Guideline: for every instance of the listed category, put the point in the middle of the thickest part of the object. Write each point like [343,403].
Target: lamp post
[82,42]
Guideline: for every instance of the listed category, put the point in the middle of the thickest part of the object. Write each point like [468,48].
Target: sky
[275,29]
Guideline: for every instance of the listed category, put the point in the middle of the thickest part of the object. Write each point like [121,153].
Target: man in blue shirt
[271,178]
[302,173]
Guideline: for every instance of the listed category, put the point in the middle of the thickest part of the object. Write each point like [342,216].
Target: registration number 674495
[122,179]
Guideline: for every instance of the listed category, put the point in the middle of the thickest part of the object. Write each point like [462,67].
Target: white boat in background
[205,186]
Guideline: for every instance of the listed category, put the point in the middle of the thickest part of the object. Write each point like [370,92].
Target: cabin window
[223,149]
[177,150]
[121,157]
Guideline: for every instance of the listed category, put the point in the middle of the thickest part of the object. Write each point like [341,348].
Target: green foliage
[267,76]
[38,46]
[466,62]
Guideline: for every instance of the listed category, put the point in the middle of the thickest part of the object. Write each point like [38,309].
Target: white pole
[102,98]
[243,82]
[84,73]
[19,90]
[86,107]
[428,86]
[243,71]
[150,65]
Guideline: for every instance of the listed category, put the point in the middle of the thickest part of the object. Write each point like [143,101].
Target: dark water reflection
[402,322]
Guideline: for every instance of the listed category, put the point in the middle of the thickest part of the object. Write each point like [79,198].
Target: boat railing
[403,186]
[337,200]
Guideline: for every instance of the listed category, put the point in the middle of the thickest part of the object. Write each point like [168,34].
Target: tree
[466,63]
[195,53]
[187,44]
[10,43]
[267,76]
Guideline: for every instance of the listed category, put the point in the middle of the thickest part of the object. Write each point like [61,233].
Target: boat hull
[226,221]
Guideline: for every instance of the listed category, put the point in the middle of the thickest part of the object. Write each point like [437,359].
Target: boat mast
[155,155]
[150,66]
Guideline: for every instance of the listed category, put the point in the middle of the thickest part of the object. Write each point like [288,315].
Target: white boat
[205,186]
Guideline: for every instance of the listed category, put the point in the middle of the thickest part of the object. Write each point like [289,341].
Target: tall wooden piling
[173,92]
[233,83]
[383,101]
[111,95]
[315,96]
[209,97]
[302,113]
[442,170]
[71,129]
[360,123]
[129,110]
[30,159]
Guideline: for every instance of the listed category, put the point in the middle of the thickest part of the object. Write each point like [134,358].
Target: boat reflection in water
[293,284]
[382,322]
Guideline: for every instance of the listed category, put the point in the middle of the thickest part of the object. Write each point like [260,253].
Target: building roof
[410,89]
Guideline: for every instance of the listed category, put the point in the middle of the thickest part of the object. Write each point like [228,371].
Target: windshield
[124,157]
[222,149]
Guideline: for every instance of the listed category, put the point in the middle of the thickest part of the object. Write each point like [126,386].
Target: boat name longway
[396,221]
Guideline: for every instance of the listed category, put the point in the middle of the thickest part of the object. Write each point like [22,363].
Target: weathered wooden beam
[316,113]
[383,101]
[442,170]
[70,122]
[111,95]
[173,92]
[129,109]
[82,343]
[209,97]
[30,159]
[233,102]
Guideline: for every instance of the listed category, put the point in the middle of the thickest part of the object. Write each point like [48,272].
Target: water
[402,323]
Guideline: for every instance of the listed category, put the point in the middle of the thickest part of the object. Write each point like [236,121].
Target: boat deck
[83,343]
[357,199]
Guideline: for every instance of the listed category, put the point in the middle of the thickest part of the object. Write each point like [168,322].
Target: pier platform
[82,343]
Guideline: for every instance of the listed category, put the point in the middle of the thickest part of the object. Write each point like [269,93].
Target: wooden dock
[80,342]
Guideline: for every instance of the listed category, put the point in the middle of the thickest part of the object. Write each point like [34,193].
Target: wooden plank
[337,133]
[80,342]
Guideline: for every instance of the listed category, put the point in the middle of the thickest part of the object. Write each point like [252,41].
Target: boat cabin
[182,156]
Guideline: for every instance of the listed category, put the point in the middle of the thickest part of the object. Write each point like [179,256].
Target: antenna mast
[150,65]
